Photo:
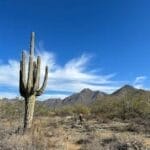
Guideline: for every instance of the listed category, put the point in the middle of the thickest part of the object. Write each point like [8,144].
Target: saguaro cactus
[30,86]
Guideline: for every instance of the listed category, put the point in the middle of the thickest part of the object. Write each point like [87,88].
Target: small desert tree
[30,86]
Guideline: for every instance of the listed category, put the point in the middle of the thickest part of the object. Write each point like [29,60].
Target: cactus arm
[41,90]
[21,85]
[22,80]
[23,69]
[30,75]
[34,71]
[37,78]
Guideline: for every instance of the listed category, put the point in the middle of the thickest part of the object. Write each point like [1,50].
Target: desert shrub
[141,107]
[123,108]
[112,143]
[104,108]
[41,110]
[80,108]
[65,110]
[11,110]
[15,109]
[72,109]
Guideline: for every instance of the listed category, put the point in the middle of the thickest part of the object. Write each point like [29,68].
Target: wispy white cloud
[72,77]
[139,81]
[9,73]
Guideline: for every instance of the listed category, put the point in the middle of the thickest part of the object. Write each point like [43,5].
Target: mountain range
[88,96]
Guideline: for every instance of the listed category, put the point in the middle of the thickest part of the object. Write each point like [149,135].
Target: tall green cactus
[30,86]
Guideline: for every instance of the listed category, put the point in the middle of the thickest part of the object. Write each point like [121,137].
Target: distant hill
[86,96]
[52,102]
[128,91]
[124,90]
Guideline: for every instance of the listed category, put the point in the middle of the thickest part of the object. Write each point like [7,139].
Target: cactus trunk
[29,110]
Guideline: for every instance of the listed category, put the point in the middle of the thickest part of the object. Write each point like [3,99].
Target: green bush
[123,108]
[65,110]
[72,109]
[80,108]
[11,109]
[41,110]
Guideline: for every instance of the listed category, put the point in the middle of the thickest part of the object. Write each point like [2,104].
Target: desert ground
[68,133]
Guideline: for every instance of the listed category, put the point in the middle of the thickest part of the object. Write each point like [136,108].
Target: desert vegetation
[103,127]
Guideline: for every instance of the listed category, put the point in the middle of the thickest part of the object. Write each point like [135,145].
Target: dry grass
[66,133]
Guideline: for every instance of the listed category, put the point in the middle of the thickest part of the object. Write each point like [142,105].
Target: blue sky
[97,44]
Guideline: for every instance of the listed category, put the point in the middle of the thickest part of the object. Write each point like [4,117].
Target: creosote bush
[42,110]
[122,108]
[11,110]
[73,109]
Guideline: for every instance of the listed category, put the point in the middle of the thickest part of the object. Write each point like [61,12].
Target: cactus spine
[30,86]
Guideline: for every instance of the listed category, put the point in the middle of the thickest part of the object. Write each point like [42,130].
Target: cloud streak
[72,77]
[139,82]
